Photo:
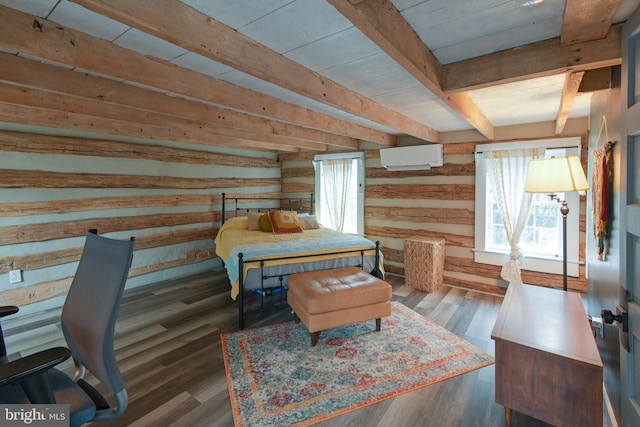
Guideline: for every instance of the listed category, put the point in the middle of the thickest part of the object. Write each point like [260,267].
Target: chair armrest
[20,369]
[6,310]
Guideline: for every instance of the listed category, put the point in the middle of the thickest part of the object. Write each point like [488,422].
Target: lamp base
[564,210]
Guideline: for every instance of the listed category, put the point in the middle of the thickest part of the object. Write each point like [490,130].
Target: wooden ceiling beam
[184,26]
[52,42]
[586,20]
[35,75]
[600,79]
[385,26]
[545,58]
[569,92]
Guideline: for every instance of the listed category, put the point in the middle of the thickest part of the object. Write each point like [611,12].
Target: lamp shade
[556,175]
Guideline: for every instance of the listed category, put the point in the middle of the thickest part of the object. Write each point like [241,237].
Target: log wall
[53,189]
[436,203]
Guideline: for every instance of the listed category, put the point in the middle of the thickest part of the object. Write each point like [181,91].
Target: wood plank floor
[168,346]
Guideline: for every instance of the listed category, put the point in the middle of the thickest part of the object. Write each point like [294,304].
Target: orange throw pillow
[285,222]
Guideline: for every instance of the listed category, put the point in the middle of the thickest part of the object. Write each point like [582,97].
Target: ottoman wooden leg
[378,324]
[314,338]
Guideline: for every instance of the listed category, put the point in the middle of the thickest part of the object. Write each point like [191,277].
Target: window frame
[360,174]
[551,264]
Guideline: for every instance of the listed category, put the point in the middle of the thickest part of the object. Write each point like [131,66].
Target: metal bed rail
[279,305]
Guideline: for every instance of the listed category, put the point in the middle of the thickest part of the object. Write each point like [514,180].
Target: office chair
[88,322]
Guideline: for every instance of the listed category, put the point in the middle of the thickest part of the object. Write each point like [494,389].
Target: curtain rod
[352,158]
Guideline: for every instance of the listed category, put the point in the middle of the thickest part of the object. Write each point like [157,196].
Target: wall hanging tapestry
[601,192]
[276,378]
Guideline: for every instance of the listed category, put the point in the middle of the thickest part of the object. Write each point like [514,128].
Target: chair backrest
[91,307]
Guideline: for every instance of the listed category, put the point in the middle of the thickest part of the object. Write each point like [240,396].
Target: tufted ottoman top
[337,289]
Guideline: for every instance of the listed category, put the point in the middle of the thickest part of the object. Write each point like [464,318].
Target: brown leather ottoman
[327,299]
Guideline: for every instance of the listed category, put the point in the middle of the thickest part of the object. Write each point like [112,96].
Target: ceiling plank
[384,25]
[540,59]
[569,92]
[53,42]
[35,75]
[586,20]
[186,27]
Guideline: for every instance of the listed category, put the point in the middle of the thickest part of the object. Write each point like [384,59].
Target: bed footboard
[280,298]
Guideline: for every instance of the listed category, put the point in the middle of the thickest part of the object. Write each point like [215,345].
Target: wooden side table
[424,262]
[547,361]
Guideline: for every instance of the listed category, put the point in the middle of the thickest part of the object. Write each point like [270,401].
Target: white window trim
[540,264]
[360,174]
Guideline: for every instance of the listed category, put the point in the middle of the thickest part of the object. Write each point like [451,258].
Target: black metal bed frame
[299,208]
[281,301]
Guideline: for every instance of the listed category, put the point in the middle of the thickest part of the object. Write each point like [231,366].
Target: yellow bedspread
[315,245]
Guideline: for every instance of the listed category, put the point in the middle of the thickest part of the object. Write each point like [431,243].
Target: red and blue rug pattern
[276,378]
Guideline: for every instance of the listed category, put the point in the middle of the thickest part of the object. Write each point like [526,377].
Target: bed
[258,261]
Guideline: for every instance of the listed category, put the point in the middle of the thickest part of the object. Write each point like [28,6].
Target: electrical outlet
[15,276]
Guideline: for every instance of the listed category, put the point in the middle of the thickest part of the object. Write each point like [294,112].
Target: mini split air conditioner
[414,157]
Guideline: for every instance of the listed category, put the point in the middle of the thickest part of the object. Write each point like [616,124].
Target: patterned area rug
[276,378]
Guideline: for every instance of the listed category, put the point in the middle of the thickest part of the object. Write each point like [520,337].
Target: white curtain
[507,172]
[336,175]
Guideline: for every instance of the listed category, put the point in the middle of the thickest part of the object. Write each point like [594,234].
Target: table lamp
[557,175]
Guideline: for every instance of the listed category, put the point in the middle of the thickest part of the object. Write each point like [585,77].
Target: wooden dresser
[547,361]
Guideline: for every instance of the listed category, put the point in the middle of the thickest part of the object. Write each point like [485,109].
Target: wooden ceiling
[290,75]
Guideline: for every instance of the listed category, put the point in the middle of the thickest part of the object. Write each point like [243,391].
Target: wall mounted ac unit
[413,157]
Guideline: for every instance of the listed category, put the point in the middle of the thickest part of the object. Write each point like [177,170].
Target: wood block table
[547,361]
[424,262]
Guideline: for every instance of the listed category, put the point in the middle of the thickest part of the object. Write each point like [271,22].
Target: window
[340,191]
[542,234]
[541,240]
